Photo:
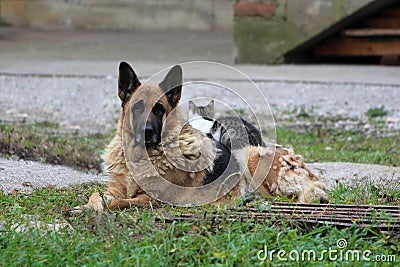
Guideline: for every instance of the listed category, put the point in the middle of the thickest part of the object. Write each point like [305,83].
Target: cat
[242,133]
[224,129]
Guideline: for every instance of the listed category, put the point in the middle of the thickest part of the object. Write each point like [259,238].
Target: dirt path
[25,176]
[352,174]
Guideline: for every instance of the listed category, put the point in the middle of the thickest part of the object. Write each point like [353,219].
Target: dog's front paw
[95,203]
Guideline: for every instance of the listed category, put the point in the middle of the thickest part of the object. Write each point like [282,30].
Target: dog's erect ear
[128,82]
[172,85]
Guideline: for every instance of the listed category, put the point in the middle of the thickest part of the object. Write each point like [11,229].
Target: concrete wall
[264,30]
[119,14]
[264,37]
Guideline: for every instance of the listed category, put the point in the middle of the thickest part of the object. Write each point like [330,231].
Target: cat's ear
[210,108]
[192,107]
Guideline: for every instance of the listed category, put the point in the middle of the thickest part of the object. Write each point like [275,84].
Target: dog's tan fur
[287,176]
[184,141]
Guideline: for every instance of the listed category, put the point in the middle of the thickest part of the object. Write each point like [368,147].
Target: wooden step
[357,47]
[383,23]
[392,60]
[371,32]
[391,12]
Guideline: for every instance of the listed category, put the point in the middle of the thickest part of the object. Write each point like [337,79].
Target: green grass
[137,237]
[366,193]
[376,112]
[140,236]
[39,143]
[337,145]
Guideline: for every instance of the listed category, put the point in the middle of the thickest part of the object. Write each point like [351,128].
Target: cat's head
[201,117]
[201,111]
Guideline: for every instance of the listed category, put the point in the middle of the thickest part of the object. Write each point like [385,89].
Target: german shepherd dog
[156,156]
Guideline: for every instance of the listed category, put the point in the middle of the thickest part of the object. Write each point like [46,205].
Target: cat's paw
[314,191]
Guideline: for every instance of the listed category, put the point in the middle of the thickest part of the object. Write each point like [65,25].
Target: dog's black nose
[148,132]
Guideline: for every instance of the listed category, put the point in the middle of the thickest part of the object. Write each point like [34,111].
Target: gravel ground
[79,104]
[353,174]
[26,176]
[90,104]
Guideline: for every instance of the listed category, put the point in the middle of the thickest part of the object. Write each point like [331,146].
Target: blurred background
[170,31]
[328,57]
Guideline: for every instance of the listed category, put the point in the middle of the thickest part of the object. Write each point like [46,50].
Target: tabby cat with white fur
[233,132]
[286,176]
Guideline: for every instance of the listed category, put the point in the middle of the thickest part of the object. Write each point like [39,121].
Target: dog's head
[146,106]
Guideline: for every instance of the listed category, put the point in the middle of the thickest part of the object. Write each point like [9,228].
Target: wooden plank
[357,47]
[390,60]
[386,23]
[391,12]
[371,32]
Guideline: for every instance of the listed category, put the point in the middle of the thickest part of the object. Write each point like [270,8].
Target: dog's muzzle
[150,135]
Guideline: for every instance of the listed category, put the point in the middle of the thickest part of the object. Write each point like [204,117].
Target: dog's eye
[138,107]
[158,109]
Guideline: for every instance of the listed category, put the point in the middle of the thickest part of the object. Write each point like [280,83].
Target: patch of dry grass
[41,142]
